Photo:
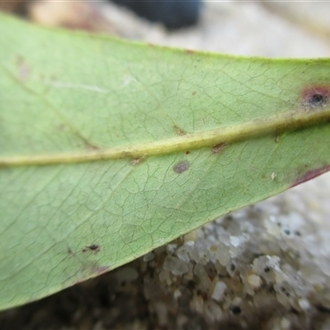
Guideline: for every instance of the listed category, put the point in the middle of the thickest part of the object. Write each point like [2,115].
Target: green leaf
[109,149]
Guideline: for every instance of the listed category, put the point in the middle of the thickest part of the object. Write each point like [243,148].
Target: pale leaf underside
[109,149]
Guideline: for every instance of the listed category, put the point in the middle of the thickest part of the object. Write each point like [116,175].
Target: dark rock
[173,14]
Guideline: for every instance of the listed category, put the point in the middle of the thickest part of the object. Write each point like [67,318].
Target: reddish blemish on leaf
[190,51]
[311,174]
[181,167]
[187,152]
[219,147]
[316,96]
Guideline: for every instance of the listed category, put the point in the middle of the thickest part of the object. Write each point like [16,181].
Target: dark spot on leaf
[187,152]
[316,97]
[277,138]
[94,247]
[190,51]
[311,175]
[219,147]
[266,269]
[181,167]
[179,131]
[193,93]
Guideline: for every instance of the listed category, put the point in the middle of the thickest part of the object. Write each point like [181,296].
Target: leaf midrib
[300,118]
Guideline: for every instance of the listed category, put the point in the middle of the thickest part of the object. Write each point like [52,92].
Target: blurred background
[263,28]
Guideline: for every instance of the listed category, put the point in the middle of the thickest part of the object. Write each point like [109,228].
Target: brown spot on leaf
[219,147]
[137,161]
[91,147]
[179,131]
[277,138]
[187,152]
[190,51]
[94,247]
[193,93]
[181,167]
[316,97]
[311,174]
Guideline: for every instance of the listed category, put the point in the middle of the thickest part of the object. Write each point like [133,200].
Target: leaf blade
[135,202]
